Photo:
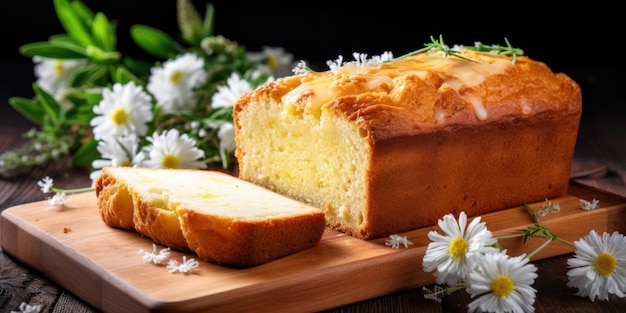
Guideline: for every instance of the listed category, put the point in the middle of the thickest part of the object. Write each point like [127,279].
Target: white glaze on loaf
[393,147]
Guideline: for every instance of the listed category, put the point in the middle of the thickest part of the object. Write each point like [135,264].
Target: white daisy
[277,59]
[117,151]
[54,75]
[599,266]
[174,84]
[502,284]
[124,110]
[226,135]
[172,150]
[226,96]
[451,255]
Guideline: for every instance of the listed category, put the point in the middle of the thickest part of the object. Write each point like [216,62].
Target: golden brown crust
[162,225]
[442,136]
[115,204]
[121,206]
[249,243]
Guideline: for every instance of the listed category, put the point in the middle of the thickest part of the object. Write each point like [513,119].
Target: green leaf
[82,11]
[86,154]
[54,49]
[63,38]
[154,41]
[123,76]
[209,20]
[103,33]
[28,108]
[50,106]
[93,97]
[81,119]
[189,22]
[73,23]
[140,67]
[101,56]
[89,75]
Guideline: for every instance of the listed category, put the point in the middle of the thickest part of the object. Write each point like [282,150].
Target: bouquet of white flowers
[101,107]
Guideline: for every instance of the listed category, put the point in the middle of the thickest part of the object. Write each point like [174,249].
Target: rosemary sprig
[438,45]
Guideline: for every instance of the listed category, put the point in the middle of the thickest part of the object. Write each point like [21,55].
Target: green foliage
[155,42]
[64,120]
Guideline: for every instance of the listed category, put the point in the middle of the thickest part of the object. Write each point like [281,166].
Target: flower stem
[543,245]
[69,191]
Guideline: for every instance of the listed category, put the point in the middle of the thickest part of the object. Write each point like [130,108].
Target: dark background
[570,38]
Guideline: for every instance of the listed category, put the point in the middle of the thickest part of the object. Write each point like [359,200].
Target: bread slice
[222,219]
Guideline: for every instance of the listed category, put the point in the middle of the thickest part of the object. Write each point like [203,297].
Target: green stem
[565,241]
[510,236]
[546,243]
[69,191]
[458,287]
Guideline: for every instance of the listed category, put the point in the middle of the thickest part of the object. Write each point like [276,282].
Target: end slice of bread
[219,217]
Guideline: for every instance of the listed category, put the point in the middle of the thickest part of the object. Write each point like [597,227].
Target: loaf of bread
[393,146]
[222,219]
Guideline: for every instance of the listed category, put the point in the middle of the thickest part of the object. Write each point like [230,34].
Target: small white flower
[589,205]
[154,257]
[57,199]
[435,294]
[598,267]
[54,75]
[187,266]
[226,96]
[549,208]
[174,84]
[360,58]
[384,57]
[300,68]
[396,240]
[45,184]
[27,308]
[124,110]
[173,150]
[452,255]
[333,65]
[502,284]
[226,135]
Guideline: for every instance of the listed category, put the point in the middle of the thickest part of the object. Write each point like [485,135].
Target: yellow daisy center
[458,247]
[126,163]
[272,62]
[119,116]
[169,161]
[176,77]
[502,286]
[58,67]
[605,264]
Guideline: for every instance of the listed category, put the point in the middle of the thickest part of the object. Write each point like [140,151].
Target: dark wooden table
[602,141]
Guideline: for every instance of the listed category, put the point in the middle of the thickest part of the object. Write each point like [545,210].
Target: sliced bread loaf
[222,219]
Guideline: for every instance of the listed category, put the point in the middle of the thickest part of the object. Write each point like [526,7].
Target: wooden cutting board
[102,265]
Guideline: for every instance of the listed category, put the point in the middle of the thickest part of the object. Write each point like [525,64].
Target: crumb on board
[66,229]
